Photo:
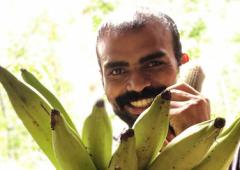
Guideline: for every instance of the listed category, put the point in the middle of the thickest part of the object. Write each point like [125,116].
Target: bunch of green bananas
[204,146]
[62,145]
[198,147]
[41,111]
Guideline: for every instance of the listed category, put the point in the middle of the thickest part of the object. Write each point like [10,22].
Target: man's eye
[154,63]
[117,71]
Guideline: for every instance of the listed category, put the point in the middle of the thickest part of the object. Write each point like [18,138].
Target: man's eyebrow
[155,55]
[116,64]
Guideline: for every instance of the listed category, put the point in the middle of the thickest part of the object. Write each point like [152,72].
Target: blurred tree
[98,9]
[33,49]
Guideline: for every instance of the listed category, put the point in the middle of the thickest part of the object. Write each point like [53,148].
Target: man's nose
[137,82]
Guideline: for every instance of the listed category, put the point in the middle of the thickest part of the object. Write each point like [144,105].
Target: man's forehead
[115,45]
[108,39]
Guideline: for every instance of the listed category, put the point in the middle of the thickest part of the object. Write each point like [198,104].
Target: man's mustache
[130,96]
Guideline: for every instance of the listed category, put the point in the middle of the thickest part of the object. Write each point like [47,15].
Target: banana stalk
[193,75]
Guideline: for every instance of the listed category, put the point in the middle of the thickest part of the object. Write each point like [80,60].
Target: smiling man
[139,55]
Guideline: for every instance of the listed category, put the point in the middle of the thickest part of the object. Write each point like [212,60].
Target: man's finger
[184,87]
[176,104]
[178,95]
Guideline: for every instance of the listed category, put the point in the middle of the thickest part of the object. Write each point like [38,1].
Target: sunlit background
[55,40]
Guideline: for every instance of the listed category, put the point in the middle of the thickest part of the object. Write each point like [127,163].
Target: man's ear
[184,58]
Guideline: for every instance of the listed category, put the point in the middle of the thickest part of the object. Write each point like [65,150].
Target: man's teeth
[142,103]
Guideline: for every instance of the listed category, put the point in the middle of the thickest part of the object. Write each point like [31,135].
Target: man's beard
[126,98]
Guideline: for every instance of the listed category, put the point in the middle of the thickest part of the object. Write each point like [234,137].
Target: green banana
[53,101]
[97,135]
[69,150]
[189,147]
[31,109]
[125,157]
[221,154]
[151,129]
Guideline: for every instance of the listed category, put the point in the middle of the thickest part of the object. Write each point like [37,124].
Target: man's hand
[188,107]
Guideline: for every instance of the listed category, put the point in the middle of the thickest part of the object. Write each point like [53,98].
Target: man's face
[136,66]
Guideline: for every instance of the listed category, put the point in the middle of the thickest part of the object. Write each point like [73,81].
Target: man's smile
[143,103]
[134,103]
[138,106]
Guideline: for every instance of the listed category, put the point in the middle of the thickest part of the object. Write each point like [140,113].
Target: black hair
[122,21]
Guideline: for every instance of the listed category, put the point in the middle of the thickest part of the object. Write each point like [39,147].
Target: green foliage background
[55,41]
